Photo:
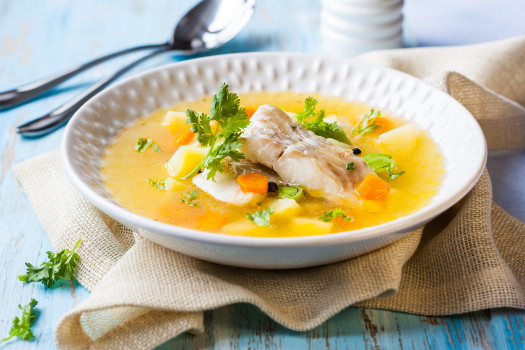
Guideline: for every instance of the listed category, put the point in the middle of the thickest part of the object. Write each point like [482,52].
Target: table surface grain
[41,37]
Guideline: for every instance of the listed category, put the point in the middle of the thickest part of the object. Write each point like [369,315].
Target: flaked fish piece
[299,156]
[225,189]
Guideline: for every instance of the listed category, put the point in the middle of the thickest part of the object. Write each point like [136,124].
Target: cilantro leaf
[223,139]
[309,110]
[350,166]
[143,144]
[332,214]
[21,327]
[380,162]
[60,265]
[315,123]
[392,175]
[160,184]
[261,217]
[367,124]
[189,197]
[157,148]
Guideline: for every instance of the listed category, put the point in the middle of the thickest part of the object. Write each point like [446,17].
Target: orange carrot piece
[372,187]
[250,111]
[184,137]
[253,182]
[384,123]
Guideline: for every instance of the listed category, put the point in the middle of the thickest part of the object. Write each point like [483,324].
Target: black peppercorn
[272,187]
[356,151]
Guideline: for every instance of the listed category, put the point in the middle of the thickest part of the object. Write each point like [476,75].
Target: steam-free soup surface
[126,171]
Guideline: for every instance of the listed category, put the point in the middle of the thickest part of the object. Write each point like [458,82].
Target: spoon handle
[24,93]
[53,120]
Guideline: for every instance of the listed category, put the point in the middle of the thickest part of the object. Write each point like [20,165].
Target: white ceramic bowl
[451,126]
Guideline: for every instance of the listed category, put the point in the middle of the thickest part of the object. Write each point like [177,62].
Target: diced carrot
[250,111]
[384,123]
[212,221]
[184,137]
[372,187]
[253,182]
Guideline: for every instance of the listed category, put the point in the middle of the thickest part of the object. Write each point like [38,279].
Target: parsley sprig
[367,124]
[60,265]
[160,184]
[261,217]
[313,121]
[223,139]
[380,162]
[144,143]
[332,214]
[21,327]
[189,197]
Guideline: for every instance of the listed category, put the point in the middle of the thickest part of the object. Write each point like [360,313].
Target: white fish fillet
[226,189]
[299,156]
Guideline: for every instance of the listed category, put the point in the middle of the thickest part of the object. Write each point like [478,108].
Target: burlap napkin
[472,257]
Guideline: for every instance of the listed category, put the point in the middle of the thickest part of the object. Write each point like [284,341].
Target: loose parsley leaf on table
[380,162]
[223,139]
[318,126]
[261,217]
[60,265]
[189,197]
[160,184]
[21,327]
[367,124]
[332,214]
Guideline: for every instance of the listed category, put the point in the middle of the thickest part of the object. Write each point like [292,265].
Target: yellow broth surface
[125,172]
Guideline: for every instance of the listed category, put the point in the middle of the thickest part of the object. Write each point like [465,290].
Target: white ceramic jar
[351,27]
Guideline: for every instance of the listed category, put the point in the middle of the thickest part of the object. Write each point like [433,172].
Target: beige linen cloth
[471,257]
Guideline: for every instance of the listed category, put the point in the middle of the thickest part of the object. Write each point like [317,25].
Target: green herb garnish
[332,214]
[143,144]
[21,327]
[261,218]
[380,162]
[160,184]
[350,166]
[60,265]
[157,148]
[313,121]
[367,124]
[292,192]
[189,197]
[224,140]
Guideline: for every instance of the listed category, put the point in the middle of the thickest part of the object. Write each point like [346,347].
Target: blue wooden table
[41,37]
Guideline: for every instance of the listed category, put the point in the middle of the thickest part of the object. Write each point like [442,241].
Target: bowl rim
[398,225]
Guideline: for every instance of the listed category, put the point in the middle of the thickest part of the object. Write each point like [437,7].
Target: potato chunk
[173,185]
[309,227]
[184,160]
[284,207]
[175,121]
[401,140]
[246,228]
